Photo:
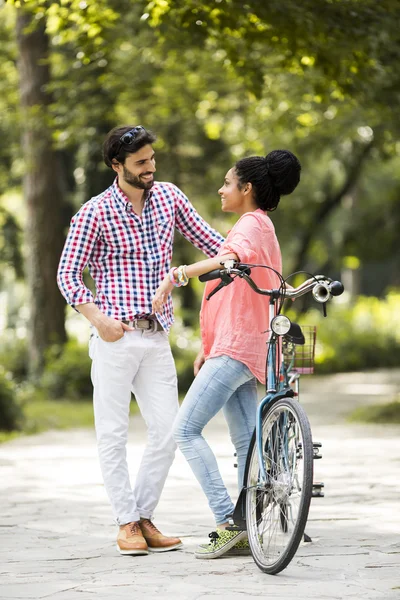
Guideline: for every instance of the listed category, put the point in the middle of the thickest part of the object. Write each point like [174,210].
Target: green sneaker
[222,540]
[242,548]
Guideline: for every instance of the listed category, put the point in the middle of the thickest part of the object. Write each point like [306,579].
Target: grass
[384,414]
[6,436]
[41,415]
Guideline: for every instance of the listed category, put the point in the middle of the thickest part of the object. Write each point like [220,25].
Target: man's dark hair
[272,176]
[113,148]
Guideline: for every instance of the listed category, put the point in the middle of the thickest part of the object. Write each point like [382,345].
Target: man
[125,235]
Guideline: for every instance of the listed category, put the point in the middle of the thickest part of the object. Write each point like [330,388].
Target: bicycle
[274,502]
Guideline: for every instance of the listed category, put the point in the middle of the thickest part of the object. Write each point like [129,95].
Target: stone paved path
[58,540]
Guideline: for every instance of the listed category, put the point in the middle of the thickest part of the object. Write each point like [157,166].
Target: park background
[215,80]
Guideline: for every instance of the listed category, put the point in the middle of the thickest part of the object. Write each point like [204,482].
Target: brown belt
[146,324]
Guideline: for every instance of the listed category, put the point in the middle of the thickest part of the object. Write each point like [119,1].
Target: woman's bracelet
[181,276]
[172,279]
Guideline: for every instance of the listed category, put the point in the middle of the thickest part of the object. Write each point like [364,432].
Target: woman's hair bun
[284,170]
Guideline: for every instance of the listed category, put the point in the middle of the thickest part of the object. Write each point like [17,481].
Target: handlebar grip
[216,274]
[336,288]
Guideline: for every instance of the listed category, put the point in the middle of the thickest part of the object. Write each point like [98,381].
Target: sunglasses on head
[129,137]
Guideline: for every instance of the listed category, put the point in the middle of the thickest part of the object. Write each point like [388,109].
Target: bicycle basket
[301,358]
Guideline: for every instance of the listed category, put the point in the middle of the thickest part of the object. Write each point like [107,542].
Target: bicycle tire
[290,474]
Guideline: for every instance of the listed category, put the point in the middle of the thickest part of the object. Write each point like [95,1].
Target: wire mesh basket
[301,358]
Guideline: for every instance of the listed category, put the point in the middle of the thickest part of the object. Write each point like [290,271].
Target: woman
[234,326]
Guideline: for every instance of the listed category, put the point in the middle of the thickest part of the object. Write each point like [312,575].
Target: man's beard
[135,180]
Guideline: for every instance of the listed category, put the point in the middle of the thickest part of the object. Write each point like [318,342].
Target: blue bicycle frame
[276,390]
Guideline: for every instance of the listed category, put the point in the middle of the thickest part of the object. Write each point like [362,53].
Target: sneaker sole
[166,549]
[132,552]
[233,552]
[224,549]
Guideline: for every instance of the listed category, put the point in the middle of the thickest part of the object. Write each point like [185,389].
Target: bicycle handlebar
[322,287]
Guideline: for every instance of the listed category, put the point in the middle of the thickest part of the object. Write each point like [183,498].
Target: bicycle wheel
[277,510]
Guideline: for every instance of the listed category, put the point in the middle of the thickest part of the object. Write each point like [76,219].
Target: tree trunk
[43,191]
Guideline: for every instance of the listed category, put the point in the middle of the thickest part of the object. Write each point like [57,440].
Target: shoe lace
[214,536]
[151,525]
[134,528]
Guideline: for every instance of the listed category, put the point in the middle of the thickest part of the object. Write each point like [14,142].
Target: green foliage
[10,166]
[10,410]
[14,357]
[299,34]
[10,242]
[323,98]
[72,20]
[365,335]
[67,372]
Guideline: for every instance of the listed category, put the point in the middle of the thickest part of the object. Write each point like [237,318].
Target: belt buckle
[152,325]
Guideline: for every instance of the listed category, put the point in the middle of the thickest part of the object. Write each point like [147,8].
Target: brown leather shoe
[130,539]
[156,541]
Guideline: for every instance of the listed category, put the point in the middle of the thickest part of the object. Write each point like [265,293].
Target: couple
[125,236]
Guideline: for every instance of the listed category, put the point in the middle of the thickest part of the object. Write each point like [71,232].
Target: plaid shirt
[128,255]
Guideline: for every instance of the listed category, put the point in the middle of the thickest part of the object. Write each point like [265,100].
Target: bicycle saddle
[295,335]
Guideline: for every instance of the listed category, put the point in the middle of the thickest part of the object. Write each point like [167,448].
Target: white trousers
[140,362]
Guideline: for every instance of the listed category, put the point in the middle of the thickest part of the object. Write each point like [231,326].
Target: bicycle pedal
[233,528]
[235,465]
[317,490]
[316,447]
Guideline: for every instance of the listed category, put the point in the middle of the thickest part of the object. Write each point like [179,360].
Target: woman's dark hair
[114,147]
[272,176]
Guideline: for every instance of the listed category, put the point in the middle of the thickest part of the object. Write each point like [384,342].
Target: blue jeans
[221,383]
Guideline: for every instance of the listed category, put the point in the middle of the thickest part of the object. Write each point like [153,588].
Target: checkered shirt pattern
[128,256]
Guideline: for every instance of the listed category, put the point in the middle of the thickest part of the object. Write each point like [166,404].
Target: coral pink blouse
[234,322]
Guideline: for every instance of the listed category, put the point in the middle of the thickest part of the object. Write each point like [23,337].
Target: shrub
[67,372]
[365,335]
[14,356]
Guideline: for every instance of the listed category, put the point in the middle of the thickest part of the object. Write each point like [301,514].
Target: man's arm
[194,228]
[79,245]
[81,239]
